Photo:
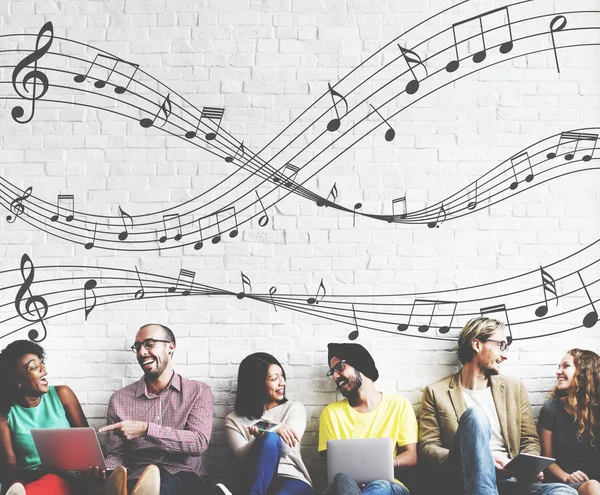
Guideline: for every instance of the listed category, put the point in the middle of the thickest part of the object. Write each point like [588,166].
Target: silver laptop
[364,459]
[68,449]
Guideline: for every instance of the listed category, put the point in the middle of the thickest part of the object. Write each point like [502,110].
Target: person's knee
[560,489]
[475,417]
[271,440]
[591,487]
[341,478]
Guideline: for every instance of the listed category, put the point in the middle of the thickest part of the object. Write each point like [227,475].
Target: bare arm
[10,469]
[406,457]
[554,469]
[72,407]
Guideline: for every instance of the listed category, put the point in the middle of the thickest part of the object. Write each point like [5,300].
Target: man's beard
[354,383]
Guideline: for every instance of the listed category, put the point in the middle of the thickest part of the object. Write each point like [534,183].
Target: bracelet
[396,462]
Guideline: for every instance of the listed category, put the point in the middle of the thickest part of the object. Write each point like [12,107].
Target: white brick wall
[266,61]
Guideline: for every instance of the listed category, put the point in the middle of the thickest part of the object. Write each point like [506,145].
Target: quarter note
[36,307]
[318,297]
[89,286]
[437,223]
[557,24]
[272,291]
[334,124]
[16,206]
[69,200]
[591,318]
[471,205]
[479,57]
[33,77]
[246,286]
[390,134]
[567,138]
[263,221]
[90,245]
[402,204]
[412,58]
[125,233]
[357,206]
[549,285]
[333,194]
[168,218]
[354,334]
[240,150]
[496,309]
[165,107]
[200,244]
[186,280]
[140,293]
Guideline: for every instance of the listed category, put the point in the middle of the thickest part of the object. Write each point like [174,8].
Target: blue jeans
[344,485]
[182,483]
[260,471]
[469,468]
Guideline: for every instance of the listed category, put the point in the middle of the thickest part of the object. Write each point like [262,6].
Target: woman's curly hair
[583,397]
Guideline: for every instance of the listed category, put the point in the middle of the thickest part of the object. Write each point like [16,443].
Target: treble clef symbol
[16,207]
[37,76]
[33,312]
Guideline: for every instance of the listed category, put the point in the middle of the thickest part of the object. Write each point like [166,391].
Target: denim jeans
[182,483]
[344,485]
[469,467]
[259,476]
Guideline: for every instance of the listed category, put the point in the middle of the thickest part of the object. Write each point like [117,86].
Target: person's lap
[282,485]
[182,483]
[344,485]
[513,487]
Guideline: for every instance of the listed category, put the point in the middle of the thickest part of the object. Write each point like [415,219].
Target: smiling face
[274,386]
[565,373]
[156,360]
[31,375]
[489,356]
[348,380]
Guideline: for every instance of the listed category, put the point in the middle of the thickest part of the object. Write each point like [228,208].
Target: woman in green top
[28,401]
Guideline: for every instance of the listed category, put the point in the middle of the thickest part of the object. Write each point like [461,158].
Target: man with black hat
[366,413]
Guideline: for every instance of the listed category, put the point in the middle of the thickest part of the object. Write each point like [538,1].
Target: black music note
[549,285]
[505,47]
[402,202]
[100,83]
[125,233]
[184,277]
[333,194]
[402,327]
[334,124]
[554,28]
[437,222]
[31,303]
[240,150]
[591,318]
[212,114]
[90,245]
[200,244]
[245,283]
[69,199]
[471,205]
[263,221]
[569,137]
[289,180]
[354,334]
[16,206]
[390,134]
[357,206]
[272,291]
[530,175]
[413,86]
[89,286]
[316,299]
[37,76]
[168,218]
[233,233]
[496,309]
[140,293]
[165,107]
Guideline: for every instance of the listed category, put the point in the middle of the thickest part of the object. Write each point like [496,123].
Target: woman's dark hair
[8,370]
[250,398]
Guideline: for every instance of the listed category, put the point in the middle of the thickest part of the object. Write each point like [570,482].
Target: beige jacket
[443,404]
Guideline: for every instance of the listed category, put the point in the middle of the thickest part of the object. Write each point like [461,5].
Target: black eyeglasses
[339,367]
[148,344]
[502,344]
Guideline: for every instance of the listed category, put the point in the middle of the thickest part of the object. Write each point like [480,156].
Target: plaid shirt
[179,425]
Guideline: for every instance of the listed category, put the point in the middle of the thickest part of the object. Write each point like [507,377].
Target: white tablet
[68,449]
[528,464]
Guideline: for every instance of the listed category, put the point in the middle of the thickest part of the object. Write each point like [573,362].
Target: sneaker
[149,482]
[221,489]
[19,489]
[116,484]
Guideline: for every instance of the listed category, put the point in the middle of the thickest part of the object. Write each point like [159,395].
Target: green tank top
[49,413]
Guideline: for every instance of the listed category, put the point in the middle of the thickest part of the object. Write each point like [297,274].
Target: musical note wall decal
[514,161]
[472,204]
[246,286]
[34,77]
[568,138]
[549,285]
[357,206]
[169,218]
[499,308]
[165,107]
[334,124]
[240,151]
[402,205]
[354,334]
[412,58]
[100,83]
[36,307]
[403,327]
[124,215]
[272,292]
[214,115]
[69,201]
[263,221]
[390,134]
[557,24]
[441,214]
[321,292]
[333,194]
[185,279]
[16,206]
[287,180]
[591,318]
[140,293]
[89,245]
[89,286]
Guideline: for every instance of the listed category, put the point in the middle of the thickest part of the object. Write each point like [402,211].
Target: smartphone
[265,426]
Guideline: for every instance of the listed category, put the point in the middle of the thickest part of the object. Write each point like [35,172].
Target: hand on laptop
[95,473]
[128,429]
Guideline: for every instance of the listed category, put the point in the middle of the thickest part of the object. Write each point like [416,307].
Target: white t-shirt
[484,400]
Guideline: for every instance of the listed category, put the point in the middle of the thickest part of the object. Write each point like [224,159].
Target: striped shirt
[179,425]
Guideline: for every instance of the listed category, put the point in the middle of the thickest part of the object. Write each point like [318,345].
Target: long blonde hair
[583,397]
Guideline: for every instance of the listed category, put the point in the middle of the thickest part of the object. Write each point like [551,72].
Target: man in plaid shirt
[163,419]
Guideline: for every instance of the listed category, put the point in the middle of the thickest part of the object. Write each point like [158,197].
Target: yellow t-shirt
[394,417]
